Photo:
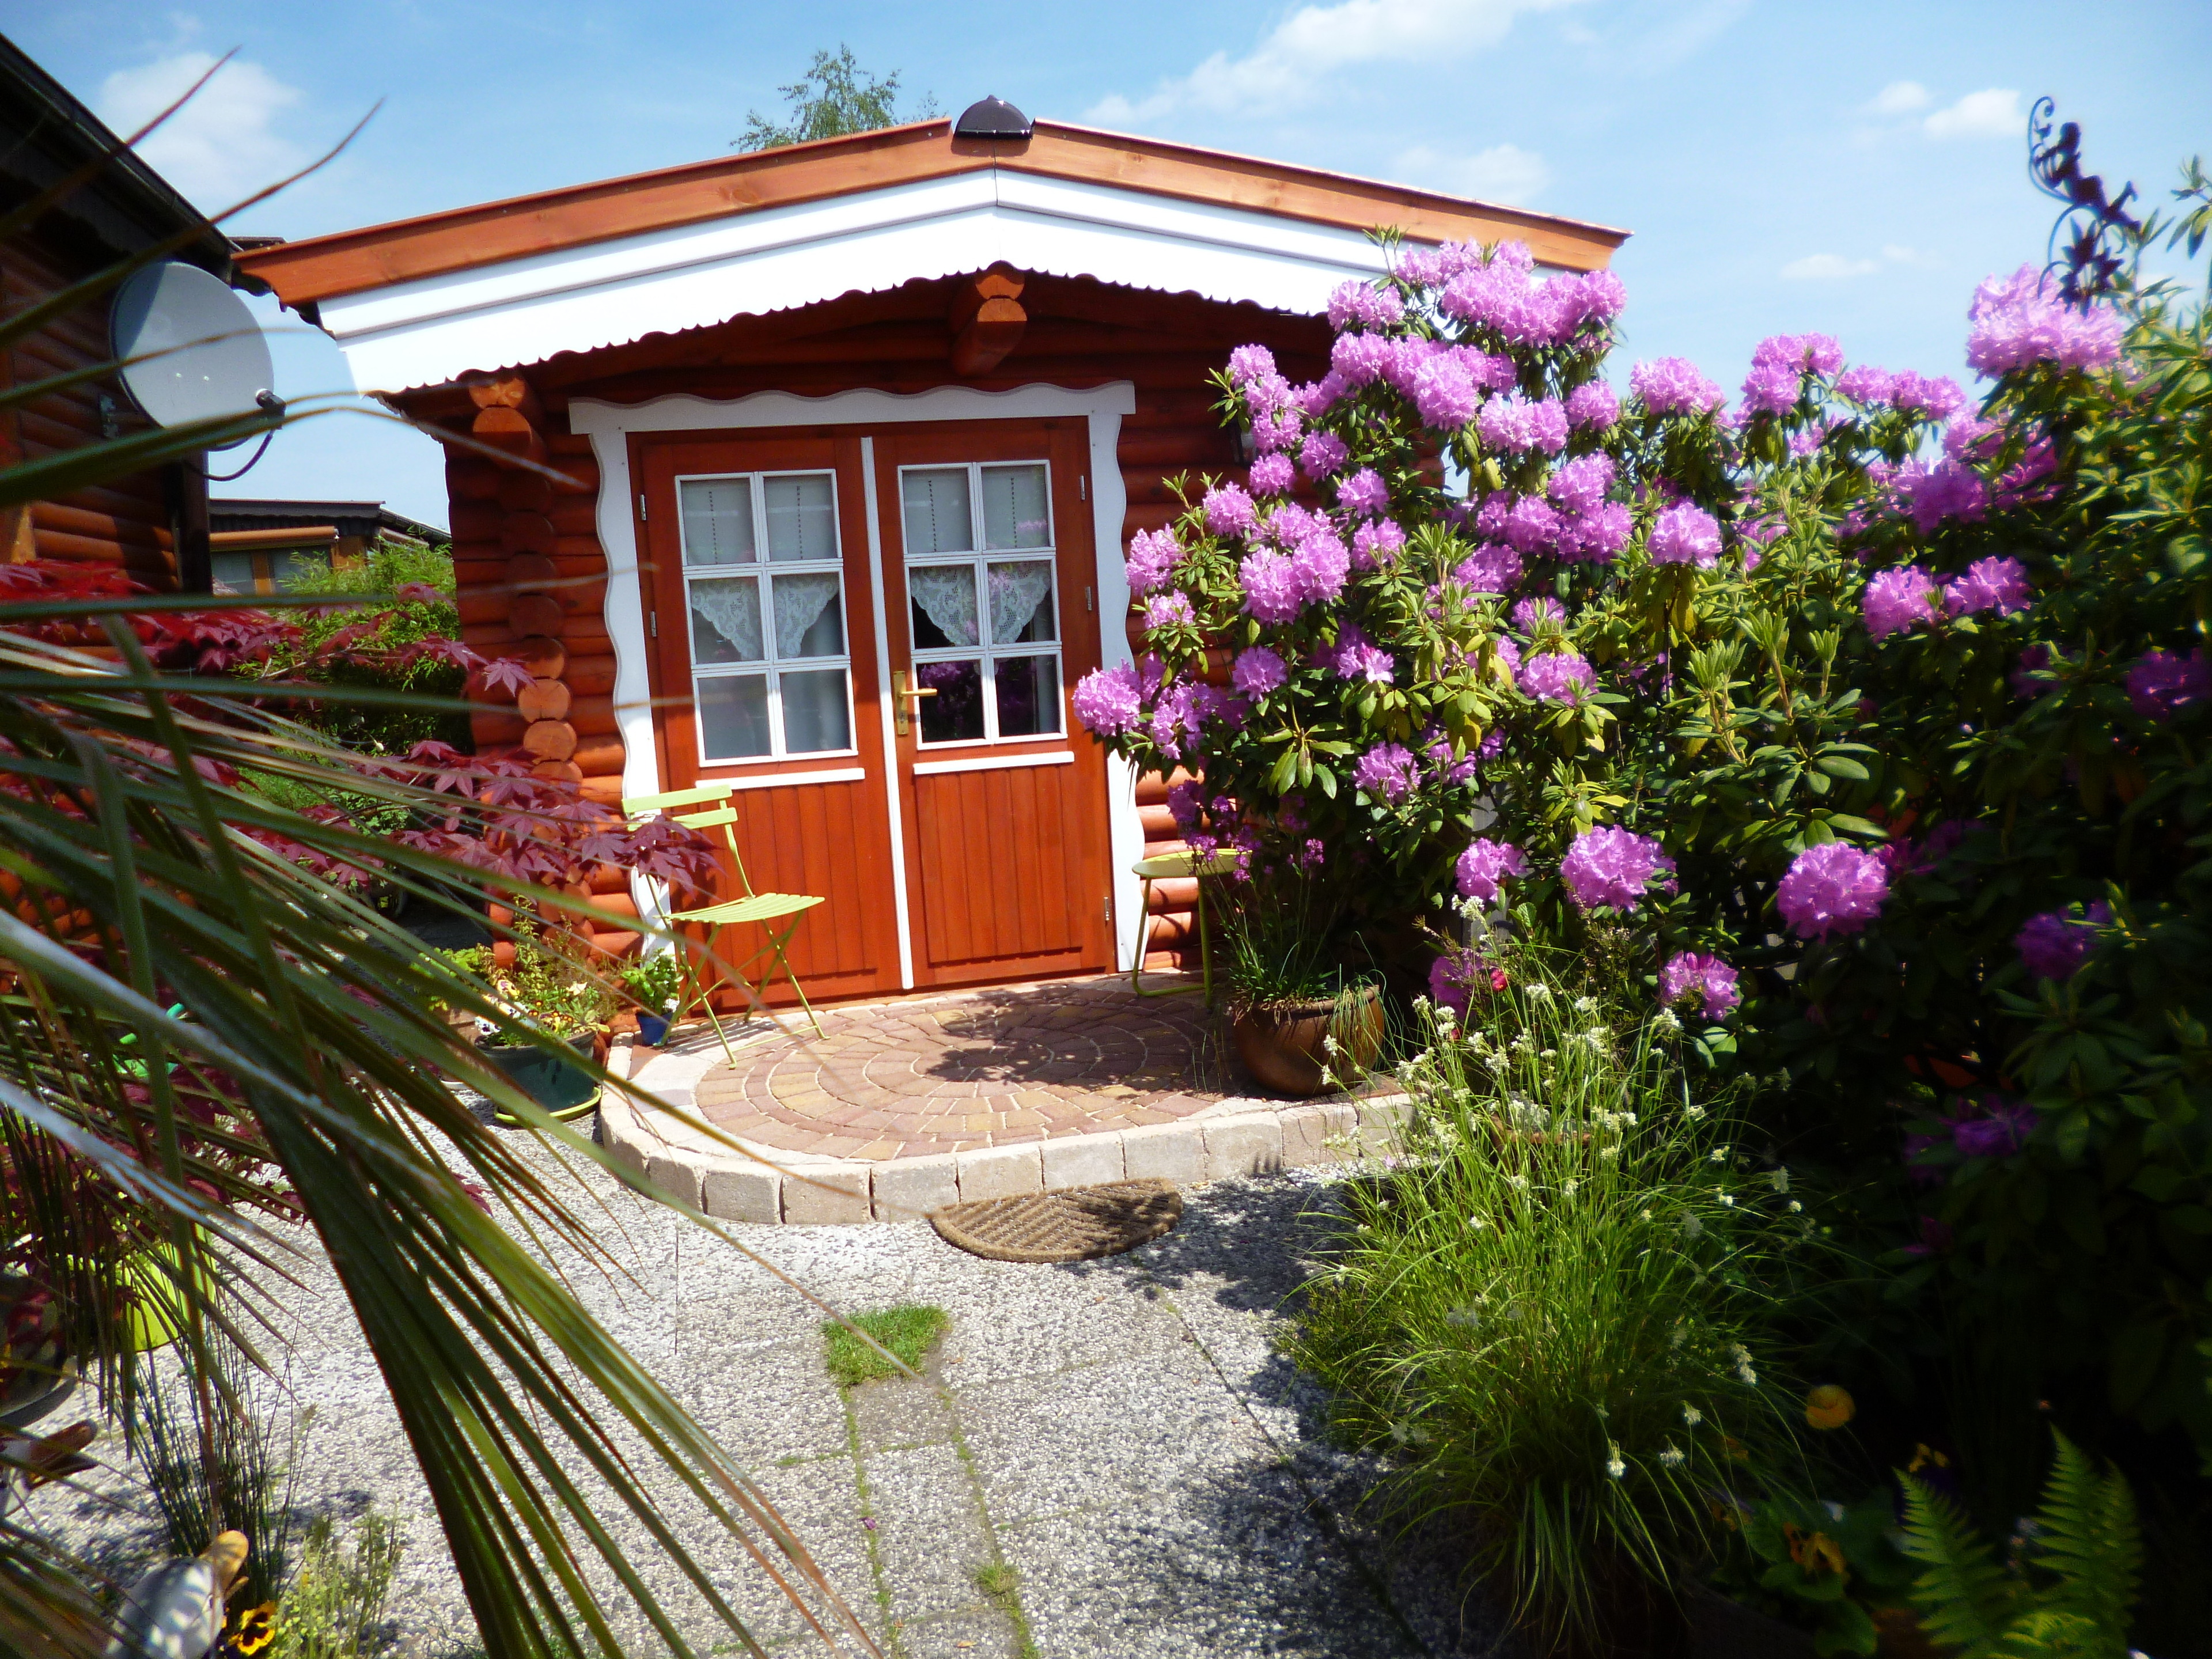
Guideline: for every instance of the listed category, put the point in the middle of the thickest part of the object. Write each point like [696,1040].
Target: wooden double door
[873,632]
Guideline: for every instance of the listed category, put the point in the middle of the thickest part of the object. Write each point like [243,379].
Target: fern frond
[1966,1600]
[2047,1633]
[2086,1534]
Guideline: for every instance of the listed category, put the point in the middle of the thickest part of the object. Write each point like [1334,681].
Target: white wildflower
[1584,1005]
[1540,992]
[1691,1415]
[1795,1208]
[1644,1215]
[1694,1114]
[1609,1154]
[1692,1227]
[1614,1466]
[1720,1154]
[1675,1337]
[1568,1191]
[1477,1222]
[1465,1318]
[1666,1024]
[1671,1458]
[1328,1046]
[1328,1081]
[1519,1183]
[1548,1056]
[1780,1180]
[1744,1371]
[1726,1197]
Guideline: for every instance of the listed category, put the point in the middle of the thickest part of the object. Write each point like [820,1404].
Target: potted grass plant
[1290,996]
[553,991]
[655,985]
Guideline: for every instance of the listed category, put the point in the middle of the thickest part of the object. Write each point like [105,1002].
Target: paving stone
[1251,1145]
[1081,1161]
[1000,1172]
[826,1193]
[741,1190]
[675,1175]
[912,1187]
[1171,1151]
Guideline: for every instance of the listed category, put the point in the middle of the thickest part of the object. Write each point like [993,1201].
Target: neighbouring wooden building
[262,546]
[858,430]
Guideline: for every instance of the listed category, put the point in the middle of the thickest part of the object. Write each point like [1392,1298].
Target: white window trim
[608,427]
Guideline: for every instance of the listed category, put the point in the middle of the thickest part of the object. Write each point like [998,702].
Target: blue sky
[1854,169]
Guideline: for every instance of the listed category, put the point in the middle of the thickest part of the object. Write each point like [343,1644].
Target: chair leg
[1143,944]
[783,962]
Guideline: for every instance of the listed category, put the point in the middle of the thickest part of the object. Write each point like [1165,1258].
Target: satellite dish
[204,357]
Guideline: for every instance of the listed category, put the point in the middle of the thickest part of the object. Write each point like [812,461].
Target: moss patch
[908,1330]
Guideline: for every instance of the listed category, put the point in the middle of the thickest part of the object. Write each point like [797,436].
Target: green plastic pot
[560,1087]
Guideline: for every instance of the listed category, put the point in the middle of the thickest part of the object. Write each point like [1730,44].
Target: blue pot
[651,1029]
[565,1090]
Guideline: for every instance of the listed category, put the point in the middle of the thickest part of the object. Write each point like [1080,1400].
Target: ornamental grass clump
[1553,1316]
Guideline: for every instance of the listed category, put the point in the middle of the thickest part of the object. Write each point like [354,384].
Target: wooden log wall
[532,572]
[127,522]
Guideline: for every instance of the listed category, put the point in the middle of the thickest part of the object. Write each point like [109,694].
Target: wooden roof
[465,238]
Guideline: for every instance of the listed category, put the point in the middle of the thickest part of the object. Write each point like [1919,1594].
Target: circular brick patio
[976,1069]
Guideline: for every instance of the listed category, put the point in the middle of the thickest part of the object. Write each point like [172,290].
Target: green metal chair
[1173,866]
[766,909]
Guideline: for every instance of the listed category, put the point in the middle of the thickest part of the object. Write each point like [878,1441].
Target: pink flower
[1484,866]
[1866,384]
[1169,610]
[1831,889]
[2001,1129]
[1492,567]
[1609,865]
[1800,354]
[1556,677]
[1900,599]
[1516,425]
[2024,319]
[1273,592]
[1997,584]
[1387,772]
[1938,399]
[1361,358]
[1530,614]
[1579,485]
[1322,563]
[1691,974]
[1258,671]
[1109,701]
[1322,454]
[1684,534]
[1363,491]
[2163,683]
[1152,555]
[1445,393]
[1273,475]
[1944,490]
[1672,386]
[1368,304]
[1531,524]
[1375,544]
[1229,511]
[1771,389]
[1596,538]
[1593,404]
[1278,430]
[1248,363]
[2055,943]
[1355,657]
[1184,802]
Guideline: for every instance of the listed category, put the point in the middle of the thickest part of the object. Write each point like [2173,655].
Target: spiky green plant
[2069,1593]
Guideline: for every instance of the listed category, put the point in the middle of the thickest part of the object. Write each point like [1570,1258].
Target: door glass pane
[944,603]
[1029,696]
[815,713]
[717,520]
[937,515]
[810,617]
[802,520]
[1021,602]
[726,624]
[232,573]
[1014,510]
[733,716]
[955,714]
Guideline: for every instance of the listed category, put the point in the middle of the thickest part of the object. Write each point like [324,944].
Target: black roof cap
[991,118]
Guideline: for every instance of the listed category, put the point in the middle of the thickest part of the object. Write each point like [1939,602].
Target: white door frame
[608,427]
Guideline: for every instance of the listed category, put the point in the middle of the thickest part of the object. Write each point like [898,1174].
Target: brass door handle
[900,692]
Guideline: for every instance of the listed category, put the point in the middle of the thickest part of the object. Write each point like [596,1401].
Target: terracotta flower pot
[1280,1043]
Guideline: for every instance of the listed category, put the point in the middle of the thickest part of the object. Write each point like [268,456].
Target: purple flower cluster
[1273,475]
[1258,671]
[2164,684]
[1484,866]
[1355,657]
[1170,611]
[1363,492]
[2024,319]
[1693,974]
[1556,677]
[1185,802]
[1230,511]
[1369,305]
[1250,365]
[1779,364]
[1938,399]
[1445,392]
[1944,489]
[1322,453]
[1184,708]
[1500,296]
[2055,943]
[1900,599]
[1457,769]
[1387,772]
[1279,585]
[1376,544]
[1152,556]
[1579,485]
[1609,865]
[1492,567]
[1110,701]
[1361,359]
[1866,384]
[1515,424]
[2002,1129]
[1530,614]
[1831,889]
[1684,534]
[1994,584]
[1593,405]
[1672,386]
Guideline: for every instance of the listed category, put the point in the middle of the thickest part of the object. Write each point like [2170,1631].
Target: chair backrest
[723,816]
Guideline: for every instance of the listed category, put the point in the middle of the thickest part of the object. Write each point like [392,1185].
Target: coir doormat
[1077,1223]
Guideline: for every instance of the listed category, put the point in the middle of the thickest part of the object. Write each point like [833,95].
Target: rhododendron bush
[1861,717]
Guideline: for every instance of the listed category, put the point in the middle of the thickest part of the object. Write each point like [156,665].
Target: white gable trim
[609,426]
[524,311]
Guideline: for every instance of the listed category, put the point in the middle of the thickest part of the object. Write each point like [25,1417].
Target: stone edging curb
[1234,1137]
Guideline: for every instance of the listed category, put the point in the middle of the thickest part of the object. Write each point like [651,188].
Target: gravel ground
[1121,1434]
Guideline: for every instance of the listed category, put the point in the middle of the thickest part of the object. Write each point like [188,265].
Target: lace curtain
[731,610]
[799,602]
[946,594]
[1016,592]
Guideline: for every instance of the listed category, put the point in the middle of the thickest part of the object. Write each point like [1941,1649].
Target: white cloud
[1502,173]
[1316,42]
[1899,98]
[220,147]
[1897,254]
[1995,113]
[1827,267]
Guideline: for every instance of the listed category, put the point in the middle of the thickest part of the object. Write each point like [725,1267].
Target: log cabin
[850,436]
